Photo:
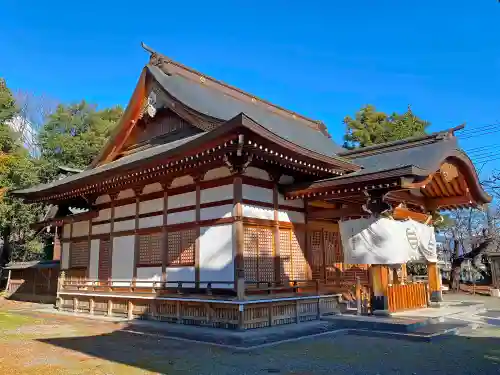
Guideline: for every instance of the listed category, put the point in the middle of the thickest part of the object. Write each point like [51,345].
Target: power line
[479,134]
[478,128]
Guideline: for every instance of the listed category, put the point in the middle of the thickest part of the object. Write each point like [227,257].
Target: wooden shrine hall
[211,206]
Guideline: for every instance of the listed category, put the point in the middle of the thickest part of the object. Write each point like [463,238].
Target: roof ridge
[159,59]
[412,141]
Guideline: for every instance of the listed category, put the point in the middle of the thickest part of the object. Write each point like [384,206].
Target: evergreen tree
[370,127]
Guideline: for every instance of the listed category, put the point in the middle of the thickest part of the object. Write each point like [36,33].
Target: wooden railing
[407,296]
[184,287]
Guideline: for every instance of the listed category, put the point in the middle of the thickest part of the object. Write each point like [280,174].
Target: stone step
[376,323]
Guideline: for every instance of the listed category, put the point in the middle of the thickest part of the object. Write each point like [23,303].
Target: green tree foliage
[17,170]
[74,134]
[370,127]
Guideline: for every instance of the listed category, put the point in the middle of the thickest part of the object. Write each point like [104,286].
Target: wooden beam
[403,213]
[436,203]
[336,213]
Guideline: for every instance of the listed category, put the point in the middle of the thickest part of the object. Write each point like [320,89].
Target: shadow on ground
[347,354]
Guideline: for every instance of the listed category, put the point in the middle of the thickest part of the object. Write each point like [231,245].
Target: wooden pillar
[238,235]
[434,277]
[137,193]
[164,259]
[379,280]
[276,234]
[197,180]
[113,197]
[307,252]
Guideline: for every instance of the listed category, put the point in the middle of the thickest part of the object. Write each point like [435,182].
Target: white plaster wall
[66,231]
[103,199]
[216,255]
[124,225]
[125,194]
[291,216]
[101,228]
[151,206]
[256,193]
[217,212]
[217,173]
[148,273]
[151,221]
[258,212]
[182,181]
[182,200]
[94,259]
[216,194]
[151,188]
[80,228]
[126,210]
[65,256]
[299,203]
[257,173]
[180,274]
[181,217]
[103,215]
[123,258]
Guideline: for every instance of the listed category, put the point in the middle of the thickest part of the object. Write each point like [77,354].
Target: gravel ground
[42,344]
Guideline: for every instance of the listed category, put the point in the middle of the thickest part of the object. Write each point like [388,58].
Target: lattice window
[181,245]
[258,254]
[333,248]
[286,266]
[316,247]
[293,260]
[79,256]
[150,249]
[104,259]
[298,255]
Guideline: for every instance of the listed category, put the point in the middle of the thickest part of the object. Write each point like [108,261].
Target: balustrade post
[110,307]
[60,286]
[130,310]
[75,304]
[91,306]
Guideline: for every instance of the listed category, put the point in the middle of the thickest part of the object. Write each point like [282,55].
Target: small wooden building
[34,281]
[209,205]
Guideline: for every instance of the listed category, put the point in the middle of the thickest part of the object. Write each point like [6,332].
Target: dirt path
[36,343]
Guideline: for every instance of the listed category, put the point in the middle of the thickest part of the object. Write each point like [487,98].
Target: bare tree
[34,110]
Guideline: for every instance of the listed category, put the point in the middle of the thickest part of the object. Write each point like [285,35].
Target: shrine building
[211,206]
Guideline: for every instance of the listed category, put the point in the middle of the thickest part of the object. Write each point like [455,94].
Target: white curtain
[386,241]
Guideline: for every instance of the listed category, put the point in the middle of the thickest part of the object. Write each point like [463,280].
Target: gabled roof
[212,102]
[218,102]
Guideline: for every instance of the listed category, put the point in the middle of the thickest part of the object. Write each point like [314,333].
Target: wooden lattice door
[334,257]
[316,248]
[104,259]
[258,254]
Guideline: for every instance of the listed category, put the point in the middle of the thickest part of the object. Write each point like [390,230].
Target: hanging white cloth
[386,241]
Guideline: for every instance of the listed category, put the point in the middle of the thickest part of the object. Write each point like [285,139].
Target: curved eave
[474,191]
[159,159]
[411,177]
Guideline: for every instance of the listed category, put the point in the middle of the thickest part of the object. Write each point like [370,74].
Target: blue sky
[323,60]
